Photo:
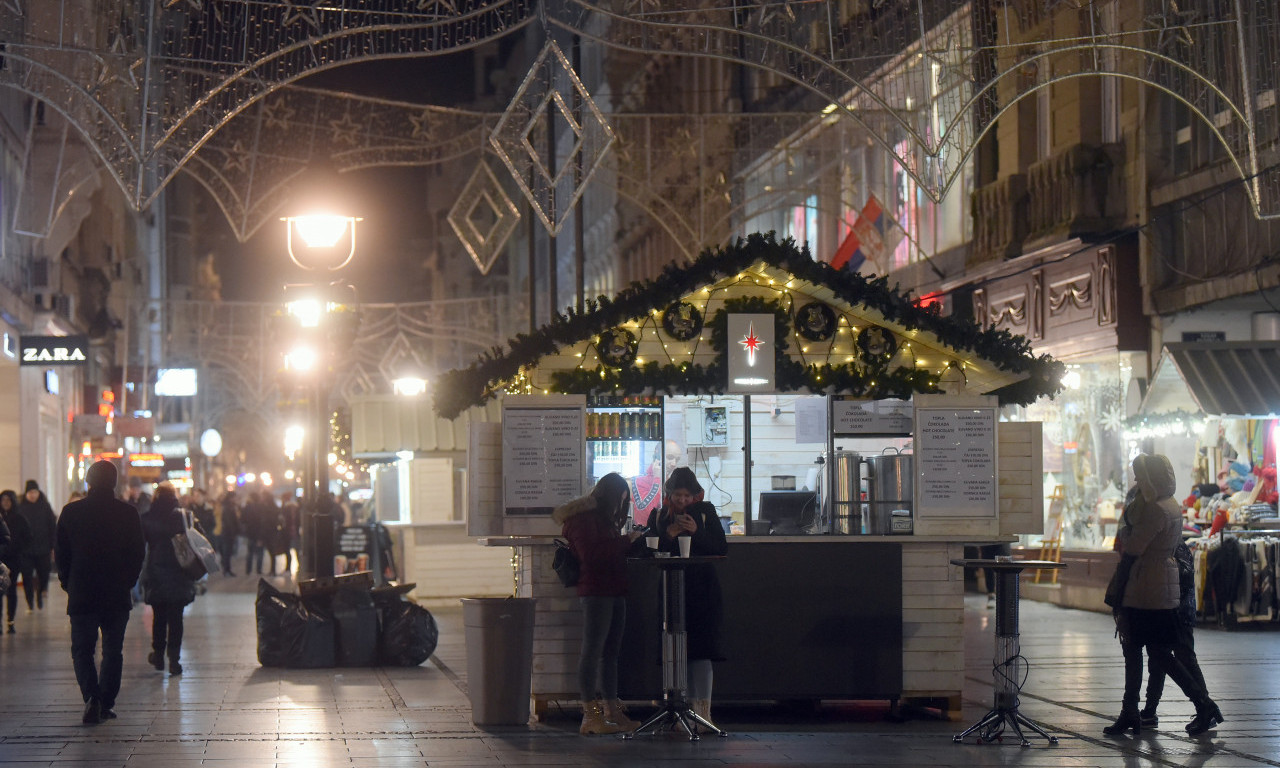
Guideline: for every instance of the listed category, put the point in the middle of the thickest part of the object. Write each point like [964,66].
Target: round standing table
[675,708]
[1008,666]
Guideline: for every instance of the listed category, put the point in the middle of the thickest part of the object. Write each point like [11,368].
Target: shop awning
[1233,378]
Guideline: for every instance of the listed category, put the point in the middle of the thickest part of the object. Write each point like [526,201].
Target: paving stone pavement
[226,710]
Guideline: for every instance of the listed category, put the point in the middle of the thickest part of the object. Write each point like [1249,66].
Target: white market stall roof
[1234,378]
[836,332]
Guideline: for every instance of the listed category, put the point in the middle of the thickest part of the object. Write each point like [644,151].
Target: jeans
[166,629]
[35,578]
[1184,651]
[255,556]
[104,686]
[603,619]
[227,548]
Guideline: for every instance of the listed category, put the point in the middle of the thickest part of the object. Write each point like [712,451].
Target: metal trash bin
[499,634]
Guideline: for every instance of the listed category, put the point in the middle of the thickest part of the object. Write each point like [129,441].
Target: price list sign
[542,458]
[956,462]
[871,417]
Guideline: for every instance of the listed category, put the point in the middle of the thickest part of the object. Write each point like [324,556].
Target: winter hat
[32,485]
[102,474]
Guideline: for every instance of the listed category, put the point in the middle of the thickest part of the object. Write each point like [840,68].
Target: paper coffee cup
[651,542]
[685,543]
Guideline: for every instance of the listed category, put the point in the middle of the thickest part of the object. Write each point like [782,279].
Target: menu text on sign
[542,458]
[956,460]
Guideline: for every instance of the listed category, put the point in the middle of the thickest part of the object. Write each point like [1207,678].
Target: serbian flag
[873,236]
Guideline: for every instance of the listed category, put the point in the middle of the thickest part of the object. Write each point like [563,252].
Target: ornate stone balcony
[1077,192]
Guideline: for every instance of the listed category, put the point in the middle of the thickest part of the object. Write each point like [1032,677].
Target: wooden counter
[806,617]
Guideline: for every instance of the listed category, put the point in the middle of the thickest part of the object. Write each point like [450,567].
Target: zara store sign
[55,350]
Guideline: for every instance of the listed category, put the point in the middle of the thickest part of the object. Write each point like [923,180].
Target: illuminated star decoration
[346,130]
[1170,24]
[752,343]
[301,10]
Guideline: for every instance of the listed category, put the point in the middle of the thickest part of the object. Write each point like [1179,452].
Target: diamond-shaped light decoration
[483,217]
[545,101]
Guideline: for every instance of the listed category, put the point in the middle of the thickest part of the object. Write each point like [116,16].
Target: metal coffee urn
[848,493]
[890,479]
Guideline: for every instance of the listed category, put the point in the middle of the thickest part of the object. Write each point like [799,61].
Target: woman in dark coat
[38,557]
[684,513]
[164,586]
[592,525]
[14,555]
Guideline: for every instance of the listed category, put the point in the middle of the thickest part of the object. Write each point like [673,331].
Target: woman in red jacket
[592,526]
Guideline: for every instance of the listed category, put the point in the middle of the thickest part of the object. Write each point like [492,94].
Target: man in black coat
[100,547]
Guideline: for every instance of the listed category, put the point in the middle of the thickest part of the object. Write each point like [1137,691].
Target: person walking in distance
[14,556]
[100,547]
[229,531]
[38,561]
[164,586]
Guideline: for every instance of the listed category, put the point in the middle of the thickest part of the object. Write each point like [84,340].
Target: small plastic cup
[685,543]
[651,542]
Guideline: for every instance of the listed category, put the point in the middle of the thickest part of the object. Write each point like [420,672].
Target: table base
[676,712]
[992,725]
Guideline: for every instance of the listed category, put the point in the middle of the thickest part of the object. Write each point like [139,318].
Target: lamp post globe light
[321,319]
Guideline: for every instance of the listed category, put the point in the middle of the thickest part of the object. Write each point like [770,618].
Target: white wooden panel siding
[1021,477]
[557,631]
[383,425]
[932,620]
[447,564]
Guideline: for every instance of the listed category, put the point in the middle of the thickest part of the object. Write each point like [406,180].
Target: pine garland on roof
[475,384]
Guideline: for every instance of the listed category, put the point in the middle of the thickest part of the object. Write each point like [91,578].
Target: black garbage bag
[409,634]
[356,631]
[290,635]
[269,609]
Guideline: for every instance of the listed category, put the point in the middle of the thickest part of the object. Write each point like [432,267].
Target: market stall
[848,436]
[1214,409]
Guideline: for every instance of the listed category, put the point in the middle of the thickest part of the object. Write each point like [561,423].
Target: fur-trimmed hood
[576,507]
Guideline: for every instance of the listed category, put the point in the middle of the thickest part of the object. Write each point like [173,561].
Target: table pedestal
[674,710]
[1009,666]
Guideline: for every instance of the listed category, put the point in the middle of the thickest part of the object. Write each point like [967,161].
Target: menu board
[955,449]
[542,458]
[871,417]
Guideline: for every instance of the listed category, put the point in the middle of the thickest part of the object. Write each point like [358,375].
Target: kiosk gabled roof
[993,361]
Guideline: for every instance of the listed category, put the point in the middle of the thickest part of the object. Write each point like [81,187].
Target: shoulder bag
[188,559]
[565,564]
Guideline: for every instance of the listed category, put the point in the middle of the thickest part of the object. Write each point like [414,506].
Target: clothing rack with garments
[1236,574]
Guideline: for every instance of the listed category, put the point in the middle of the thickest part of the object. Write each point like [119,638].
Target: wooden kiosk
[829,611]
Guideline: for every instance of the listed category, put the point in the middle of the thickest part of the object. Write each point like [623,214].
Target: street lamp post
[324,320]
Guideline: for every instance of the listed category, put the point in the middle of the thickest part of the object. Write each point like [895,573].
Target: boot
[1149,717]
[11,630]
[1129,718]
[616,713]
[1207,716]
[174,667]
[156,659]
[593,720]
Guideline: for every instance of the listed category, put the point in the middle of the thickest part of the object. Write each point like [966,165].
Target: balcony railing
[1079,191]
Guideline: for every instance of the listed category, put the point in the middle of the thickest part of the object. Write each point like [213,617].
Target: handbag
[565,564]
[6,579]
[190,563]
[1114,596]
